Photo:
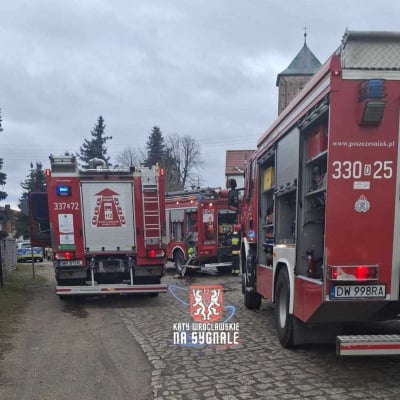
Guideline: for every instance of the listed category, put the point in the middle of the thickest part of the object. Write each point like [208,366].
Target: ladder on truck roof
[151,208]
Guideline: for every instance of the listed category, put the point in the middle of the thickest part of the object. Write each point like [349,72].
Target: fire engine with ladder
[106,227]
[321,208]
[199,228]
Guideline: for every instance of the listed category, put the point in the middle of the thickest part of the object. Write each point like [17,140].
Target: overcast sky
[205,68]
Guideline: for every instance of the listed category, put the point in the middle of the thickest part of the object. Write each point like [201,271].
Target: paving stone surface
[258,367]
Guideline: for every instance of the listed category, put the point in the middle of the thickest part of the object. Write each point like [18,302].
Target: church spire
[294,77]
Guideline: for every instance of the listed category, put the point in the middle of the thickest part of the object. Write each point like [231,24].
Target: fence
[8,256]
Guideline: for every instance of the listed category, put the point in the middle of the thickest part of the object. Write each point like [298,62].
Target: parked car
[24,252]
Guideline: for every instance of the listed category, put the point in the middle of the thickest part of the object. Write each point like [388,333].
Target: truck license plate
[77,263]
[358,291]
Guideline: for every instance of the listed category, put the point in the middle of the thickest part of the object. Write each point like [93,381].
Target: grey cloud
[203,68]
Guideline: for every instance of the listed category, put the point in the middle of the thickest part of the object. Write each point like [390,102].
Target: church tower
[292,80]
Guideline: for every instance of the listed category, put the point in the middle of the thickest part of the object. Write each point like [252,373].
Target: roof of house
[236,160]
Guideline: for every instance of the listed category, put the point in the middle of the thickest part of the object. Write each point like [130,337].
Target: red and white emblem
[108,212]
[206,304]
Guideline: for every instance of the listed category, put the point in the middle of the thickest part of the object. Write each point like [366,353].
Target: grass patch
[17,291]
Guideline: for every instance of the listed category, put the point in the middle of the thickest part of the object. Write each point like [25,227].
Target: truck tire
[179,262]
[224,269]
[252,299]
[284,320]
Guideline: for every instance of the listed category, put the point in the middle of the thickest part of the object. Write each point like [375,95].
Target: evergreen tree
[3,177]
[95,148]
[3,195]
[1,128]
[155,148]
[34,182]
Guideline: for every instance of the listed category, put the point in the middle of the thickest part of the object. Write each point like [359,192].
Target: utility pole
[1,266]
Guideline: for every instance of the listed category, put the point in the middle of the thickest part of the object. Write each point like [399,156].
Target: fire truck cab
[320,217]
[106,227]
[199,228]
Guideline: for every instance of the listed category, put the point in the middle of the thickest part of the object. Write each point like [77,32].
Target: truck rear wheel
[64,297]
[252,299]
[224,269]
[284,320]
[179,262]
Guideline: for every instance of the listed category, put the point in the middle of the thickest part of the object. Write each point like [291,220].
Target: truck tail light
[356,273]
[151,253]
[155,253]
[204,252]
[68,255]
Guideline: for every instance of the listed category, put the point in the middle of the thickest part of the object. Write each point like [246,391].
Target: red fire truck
[106,227]
[321,226]
[199,228]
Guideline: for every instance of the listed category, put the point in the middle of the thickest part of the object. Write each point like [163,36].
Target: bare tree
[184,156]
[129,157]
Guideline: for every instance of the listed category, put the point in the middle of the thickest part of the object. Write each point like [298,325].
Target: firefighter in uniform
[236,250]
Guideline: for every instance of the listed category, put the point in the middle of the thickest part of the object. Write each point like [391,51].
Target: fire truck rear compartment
[113,269]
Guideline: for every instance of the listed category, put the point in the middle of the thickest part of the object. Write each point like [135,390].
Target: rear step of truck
[218,264]
[110,289]
[367,345]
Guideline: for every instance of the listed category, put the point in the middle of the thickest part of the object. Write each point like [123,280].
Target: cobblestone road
[258,368]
